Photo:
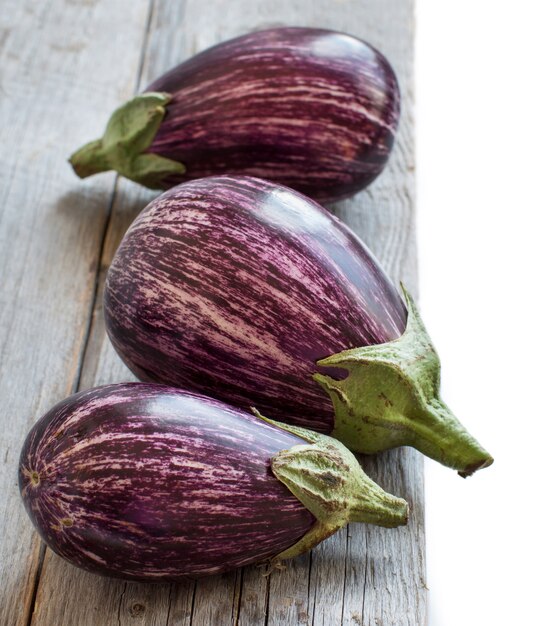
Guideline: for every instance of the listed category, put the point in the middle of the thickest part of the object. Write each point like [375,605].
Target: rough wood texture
[65,65]
[56,79]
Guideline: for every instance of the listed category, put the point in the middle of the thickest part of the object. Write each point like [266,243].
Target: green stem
[391,398]
[329,481]
[129,133]
[90,159]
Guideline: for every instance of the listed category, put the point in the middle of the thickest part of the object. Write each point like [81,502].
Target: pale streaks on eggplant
[150,483]
[309,108]
[235,287]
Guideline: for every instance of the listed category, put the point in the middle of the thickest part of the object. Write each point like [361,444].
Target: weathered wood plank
[289,588]
[327,581]
[181,604]
[56,79]
[216,599]
[362,575]
[253,598]
[395,576]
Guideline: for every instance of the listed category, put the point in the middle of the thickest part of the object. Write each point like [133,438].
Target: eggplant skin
[234,287]
[312,109]
[144,482]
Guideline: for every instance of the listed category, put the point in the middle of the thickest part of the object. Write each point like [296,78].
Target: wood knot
[137,610]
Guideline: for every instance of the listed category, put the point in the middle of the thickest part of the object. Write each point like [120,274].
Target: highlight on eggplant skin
[250,292]
[313,109]
[146,482]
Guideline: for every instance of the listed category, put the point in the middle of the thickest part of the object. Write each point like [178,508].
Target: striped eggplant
[249,292]
[313,109]
[147,482]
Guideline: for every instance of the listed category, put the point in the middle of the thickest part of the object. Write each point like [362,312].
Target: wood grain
[56,341]
[56,79]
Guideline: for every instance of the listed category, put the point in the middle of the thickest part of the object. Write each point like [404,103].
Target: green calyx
[329,481]
[390,398]
[128,134]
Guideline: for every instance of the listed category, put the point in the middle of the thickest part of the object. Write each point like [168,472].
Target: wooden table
[65,64]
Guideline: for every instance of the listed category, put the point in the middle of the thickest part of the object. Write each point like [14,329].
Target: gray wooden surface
[65,64]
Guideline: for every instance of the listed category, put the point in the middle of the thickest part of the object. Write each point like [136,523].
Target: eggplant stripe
[142,481]
[235,287]
[309,108]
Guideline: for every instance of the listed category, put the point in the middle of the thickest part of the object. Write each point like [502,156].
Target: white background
[482,203]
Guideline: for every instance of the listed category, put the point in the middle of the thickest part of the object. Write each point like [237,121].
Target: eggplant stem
[329,481]
[129,133]
[391,398]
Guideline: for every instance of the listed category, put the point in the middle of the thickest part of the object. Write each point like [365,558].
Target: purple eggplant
[313,109]
[146,482]
[251,293]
